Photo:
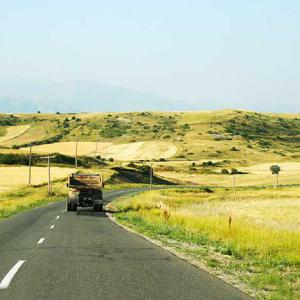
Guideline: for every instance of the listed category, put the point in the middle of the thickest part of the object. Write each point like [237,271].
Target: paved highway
[47,253]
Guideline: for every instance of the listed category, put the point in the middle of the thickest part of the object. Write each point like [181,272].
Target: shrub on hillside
[234,171]
[185,126]
[13,159]
[132,165]
[224,171]
[264,144]
[254,126]
[114,128]
[234,149]
[8,120]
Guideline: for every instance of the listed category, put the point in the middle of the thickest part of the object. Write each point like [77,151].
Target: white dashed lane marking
[41,240]
[10,275]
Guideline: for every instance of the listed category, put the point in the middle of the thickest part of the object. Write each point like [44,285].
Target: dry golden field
[127,151]
[14,177]
[13,132]
[258,175]
[33,133]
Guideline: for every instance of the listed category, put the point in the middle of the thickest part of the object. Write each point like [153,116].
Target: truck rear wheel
[69,207]
[98,207]
[74,206]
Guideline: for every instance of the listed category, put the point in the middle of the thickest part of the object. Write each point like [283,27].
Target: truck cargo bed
[85,181]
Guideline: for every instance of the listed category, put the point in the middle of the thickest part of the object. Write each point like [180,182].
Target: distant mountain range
[31,95]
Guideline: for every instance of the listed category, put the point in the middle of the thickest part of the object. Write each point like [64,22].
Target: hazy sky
[229,53]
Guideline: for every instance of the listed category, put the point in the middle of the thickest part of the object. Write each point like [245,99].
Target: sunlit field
[256,175]
[124,151]
[21,199]
[13,177]
[259,229]
[13,132]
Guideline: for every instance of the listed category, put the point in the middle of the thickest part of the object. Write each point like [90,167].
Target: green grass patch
[26,198]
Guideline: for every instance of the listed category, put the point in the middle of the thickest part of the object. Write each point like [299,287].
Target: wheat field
[257,174]
[13,177]
[126,151]
[13,132]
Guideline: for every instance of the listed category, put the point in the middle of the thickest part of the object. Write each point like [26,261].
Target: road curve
[47,253]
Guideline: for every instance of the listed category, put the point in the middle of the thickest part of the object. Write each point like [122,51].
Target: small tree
[234,171]
[275,169]
[225,172]
[234,149]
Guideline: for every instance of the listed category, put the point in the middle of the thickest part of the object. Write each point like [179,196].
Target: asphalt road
[47,253]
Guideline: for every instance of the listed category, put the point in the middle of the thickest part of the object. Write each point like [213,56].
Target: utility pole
[49,173]
[76,147]
[234,186]
[30,162]
[151,174]
[96,150]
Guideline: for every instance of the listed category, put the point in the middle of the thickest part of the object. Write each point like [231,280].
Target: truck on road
[85,190]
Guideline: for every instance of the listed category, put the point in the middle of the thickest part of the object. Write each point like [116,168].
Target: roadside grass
[252,240]
[122,186]
[25,198]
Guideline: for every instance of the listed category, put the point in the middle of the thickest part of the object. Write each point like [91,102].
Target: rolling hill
[240,136]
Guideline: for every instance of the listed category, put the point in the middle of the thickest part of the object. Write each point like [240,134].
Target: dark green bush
[14,159]
[264,144]
[255,126]
[114,128]
[224,171]
[234,149]
[234,171]
[51,140]
[8,120]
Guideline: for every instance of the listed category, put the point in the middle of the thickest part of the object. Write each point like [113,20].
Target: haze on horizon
[135,55]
